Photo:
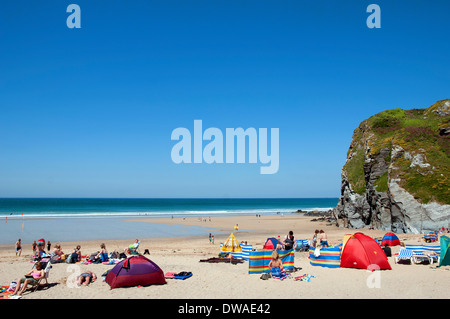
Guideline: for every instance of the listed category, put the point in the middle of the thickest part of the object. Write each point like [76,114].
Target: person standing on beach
[315,237]
[323,238]
[34,246]
[19,247]
[49,245]
[289,241]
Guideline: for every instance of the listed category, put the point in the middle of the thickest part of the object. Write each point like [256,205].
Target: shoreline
[223,280]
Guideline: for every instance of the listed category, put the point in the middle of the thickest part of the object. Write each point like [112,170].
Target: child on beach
[315,237]
[323,238]
[276,265]
[34,246]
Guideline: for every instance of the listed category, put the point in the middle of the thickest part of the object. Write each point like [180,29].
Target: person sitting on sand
[57,251]
[132,249]
[57,254]
[76,255]
[103,253]
[276,265]
[32,277]
[86,278]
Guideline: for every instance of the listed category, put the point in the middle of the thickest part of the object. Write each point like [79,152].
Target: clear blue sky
[89,112]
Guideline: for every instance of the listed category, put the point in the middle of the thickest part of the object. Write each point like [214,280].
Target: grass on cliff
[416,131]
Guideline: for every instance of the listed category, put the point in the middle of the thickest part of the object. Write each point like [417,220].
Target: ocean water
[71,219]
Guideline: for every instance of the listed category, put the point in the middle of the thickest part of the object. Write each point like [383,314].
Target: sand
[228,281]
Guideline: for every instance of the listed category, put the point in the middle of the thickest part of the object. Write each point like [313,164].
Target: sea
[72,219]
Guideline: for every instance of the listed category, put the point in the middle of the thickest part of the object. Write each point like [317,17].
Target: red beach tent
[135,271]
[363,252]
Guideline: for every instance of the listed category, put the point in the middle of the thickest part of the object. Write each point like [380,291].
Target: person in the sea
[86,278]
[32,277]
[19,247]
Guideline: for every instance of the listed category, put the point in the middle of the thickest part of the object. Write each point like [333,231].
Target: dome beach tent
[390,239]
[135,271]
[363,252]
[445,251]
[231,245]
[271,243]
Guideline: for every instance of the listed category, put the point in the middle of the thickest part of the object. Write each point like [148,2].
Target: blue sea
[71,219]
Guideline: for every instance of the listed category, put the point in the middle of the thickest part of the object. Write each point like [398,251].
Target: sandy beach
[228,281]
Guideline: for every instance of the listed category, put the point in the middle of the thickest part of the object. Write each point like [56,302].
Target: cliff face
[396,177]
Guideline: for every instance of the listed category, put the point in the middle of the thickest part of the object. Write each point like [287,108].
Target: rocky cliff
[396,177]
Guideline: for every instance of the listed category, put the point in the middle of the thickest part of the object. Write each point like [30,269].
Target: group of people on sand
[319,237]
[37,272]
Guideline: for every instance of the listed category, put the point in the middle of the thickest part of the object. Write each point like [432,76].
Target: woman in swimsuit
[32,277]
[86,278]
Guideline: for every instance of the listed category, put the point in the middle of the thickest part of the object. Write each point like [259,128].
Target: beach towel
[222,260]
[181,275]
[277,273]
[304,277]
[6,291]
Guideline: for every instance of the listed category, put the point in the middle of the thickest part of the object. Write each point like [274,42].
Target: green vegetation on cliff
[424,165]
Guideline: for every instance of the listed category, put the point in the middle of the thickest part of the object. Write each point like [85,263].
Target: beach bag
[115,255]
[69,259]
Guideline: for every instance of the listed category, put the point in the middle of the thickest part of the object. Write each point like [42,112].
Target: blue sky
[89,112]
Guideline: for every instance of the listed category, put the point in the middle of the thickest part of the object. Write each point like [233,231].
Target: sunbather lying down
[86,278]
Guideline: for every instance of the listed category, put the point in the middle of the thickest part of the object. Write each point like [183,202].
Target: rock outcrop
[396,177]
